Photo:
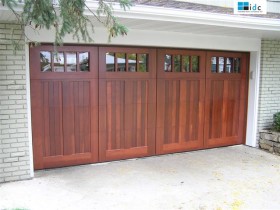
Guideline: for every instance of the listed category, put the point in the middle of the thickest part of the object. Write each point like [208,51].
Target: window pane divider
[65,62]
[190,63]
[78,61]
[116,62]
[137,62]
[126,62]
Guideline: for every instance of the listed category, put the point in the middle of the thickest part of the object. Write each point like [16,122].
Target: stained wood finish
[64,113]
[180,105]
[127,109]
[96,116]
[226,101]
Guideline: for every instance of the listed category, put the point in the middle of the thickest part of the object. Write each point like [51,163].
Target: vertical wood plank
[236,108]
[81,117]
[122,113]
[182,111]
[134,114]
[86,114]
[166,119]
[144,113]
[128,112]
[118,114]
[38,132]
[76,117]
[46,119]
[177,87]
[113,114]
[58,118]
[139,115]
[192,114]
[224,109]
[68,118]
[172,111]
[109,114]
[188,111]
[52,118]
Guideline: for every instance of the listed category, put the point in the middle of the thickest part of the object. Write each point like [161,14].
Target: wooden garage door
[64,100]
[180,100]
[226,98]
[127,102]
[94,104]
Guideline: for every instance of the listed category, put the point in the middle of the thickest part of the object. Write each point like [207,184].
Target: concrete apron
[237,177]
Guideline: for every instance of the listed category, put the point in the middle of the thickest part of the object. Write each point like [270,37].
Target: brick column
[14,145]
[269,97]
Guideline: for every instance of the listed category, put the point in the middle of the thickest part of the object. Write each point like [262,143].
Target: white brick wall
[269,96]
[14,145]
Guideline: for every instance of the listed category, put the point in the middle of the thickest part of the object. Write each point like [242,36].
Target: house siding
[269,94]
[14,143]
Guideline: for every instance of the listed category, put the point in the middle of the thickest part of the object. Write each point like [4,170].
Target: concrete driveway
[237,177]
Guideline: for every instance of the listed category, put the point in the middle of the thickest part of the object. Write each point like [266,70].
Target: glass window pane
[229,66]
[121,60]
[237,65]
[45,61]
[177,63]
[143,62]
[195,63]
[71,62]
[221,65]
[186,63]
[110,61]
[84,61]
[168,63]
[214,64]
[58,62]
[132,62]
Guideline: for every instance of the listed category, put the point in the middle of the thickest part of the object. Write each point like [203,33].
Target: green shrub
[276,121]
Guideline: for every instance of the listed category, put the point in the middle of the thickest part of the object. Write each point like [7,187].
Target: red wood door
[64,100]
[226,98]
[127,102]
[180,100]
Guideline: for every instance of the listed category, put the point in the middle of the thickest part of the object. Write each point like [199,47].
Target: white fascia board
[196,17]
[173,15]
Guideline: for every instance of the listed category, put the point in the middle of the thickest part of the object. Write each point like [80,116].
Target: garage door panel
[128,117]
[127,102]
[224,109]
[225,99]
[65,122]
[110,103]
[180,114]
[64,101]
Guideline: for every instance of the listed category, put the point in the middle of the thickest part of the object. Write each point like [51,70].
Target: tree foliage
[68,17]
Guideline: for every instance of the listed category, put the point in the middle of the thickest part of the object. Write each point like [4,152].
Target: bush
[276,121]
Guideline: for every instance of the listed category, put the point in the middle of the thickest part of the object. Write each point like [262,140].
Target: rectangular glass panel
[177,63]
[71,62]
[221,65]
[168,63]
[132,62]
[237,65]
[143,62]
[45,61]
[229,65]
[186,63]
[84,61]
[110,61]
[58,62]
[121,61]
[214,64]
[195,63]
